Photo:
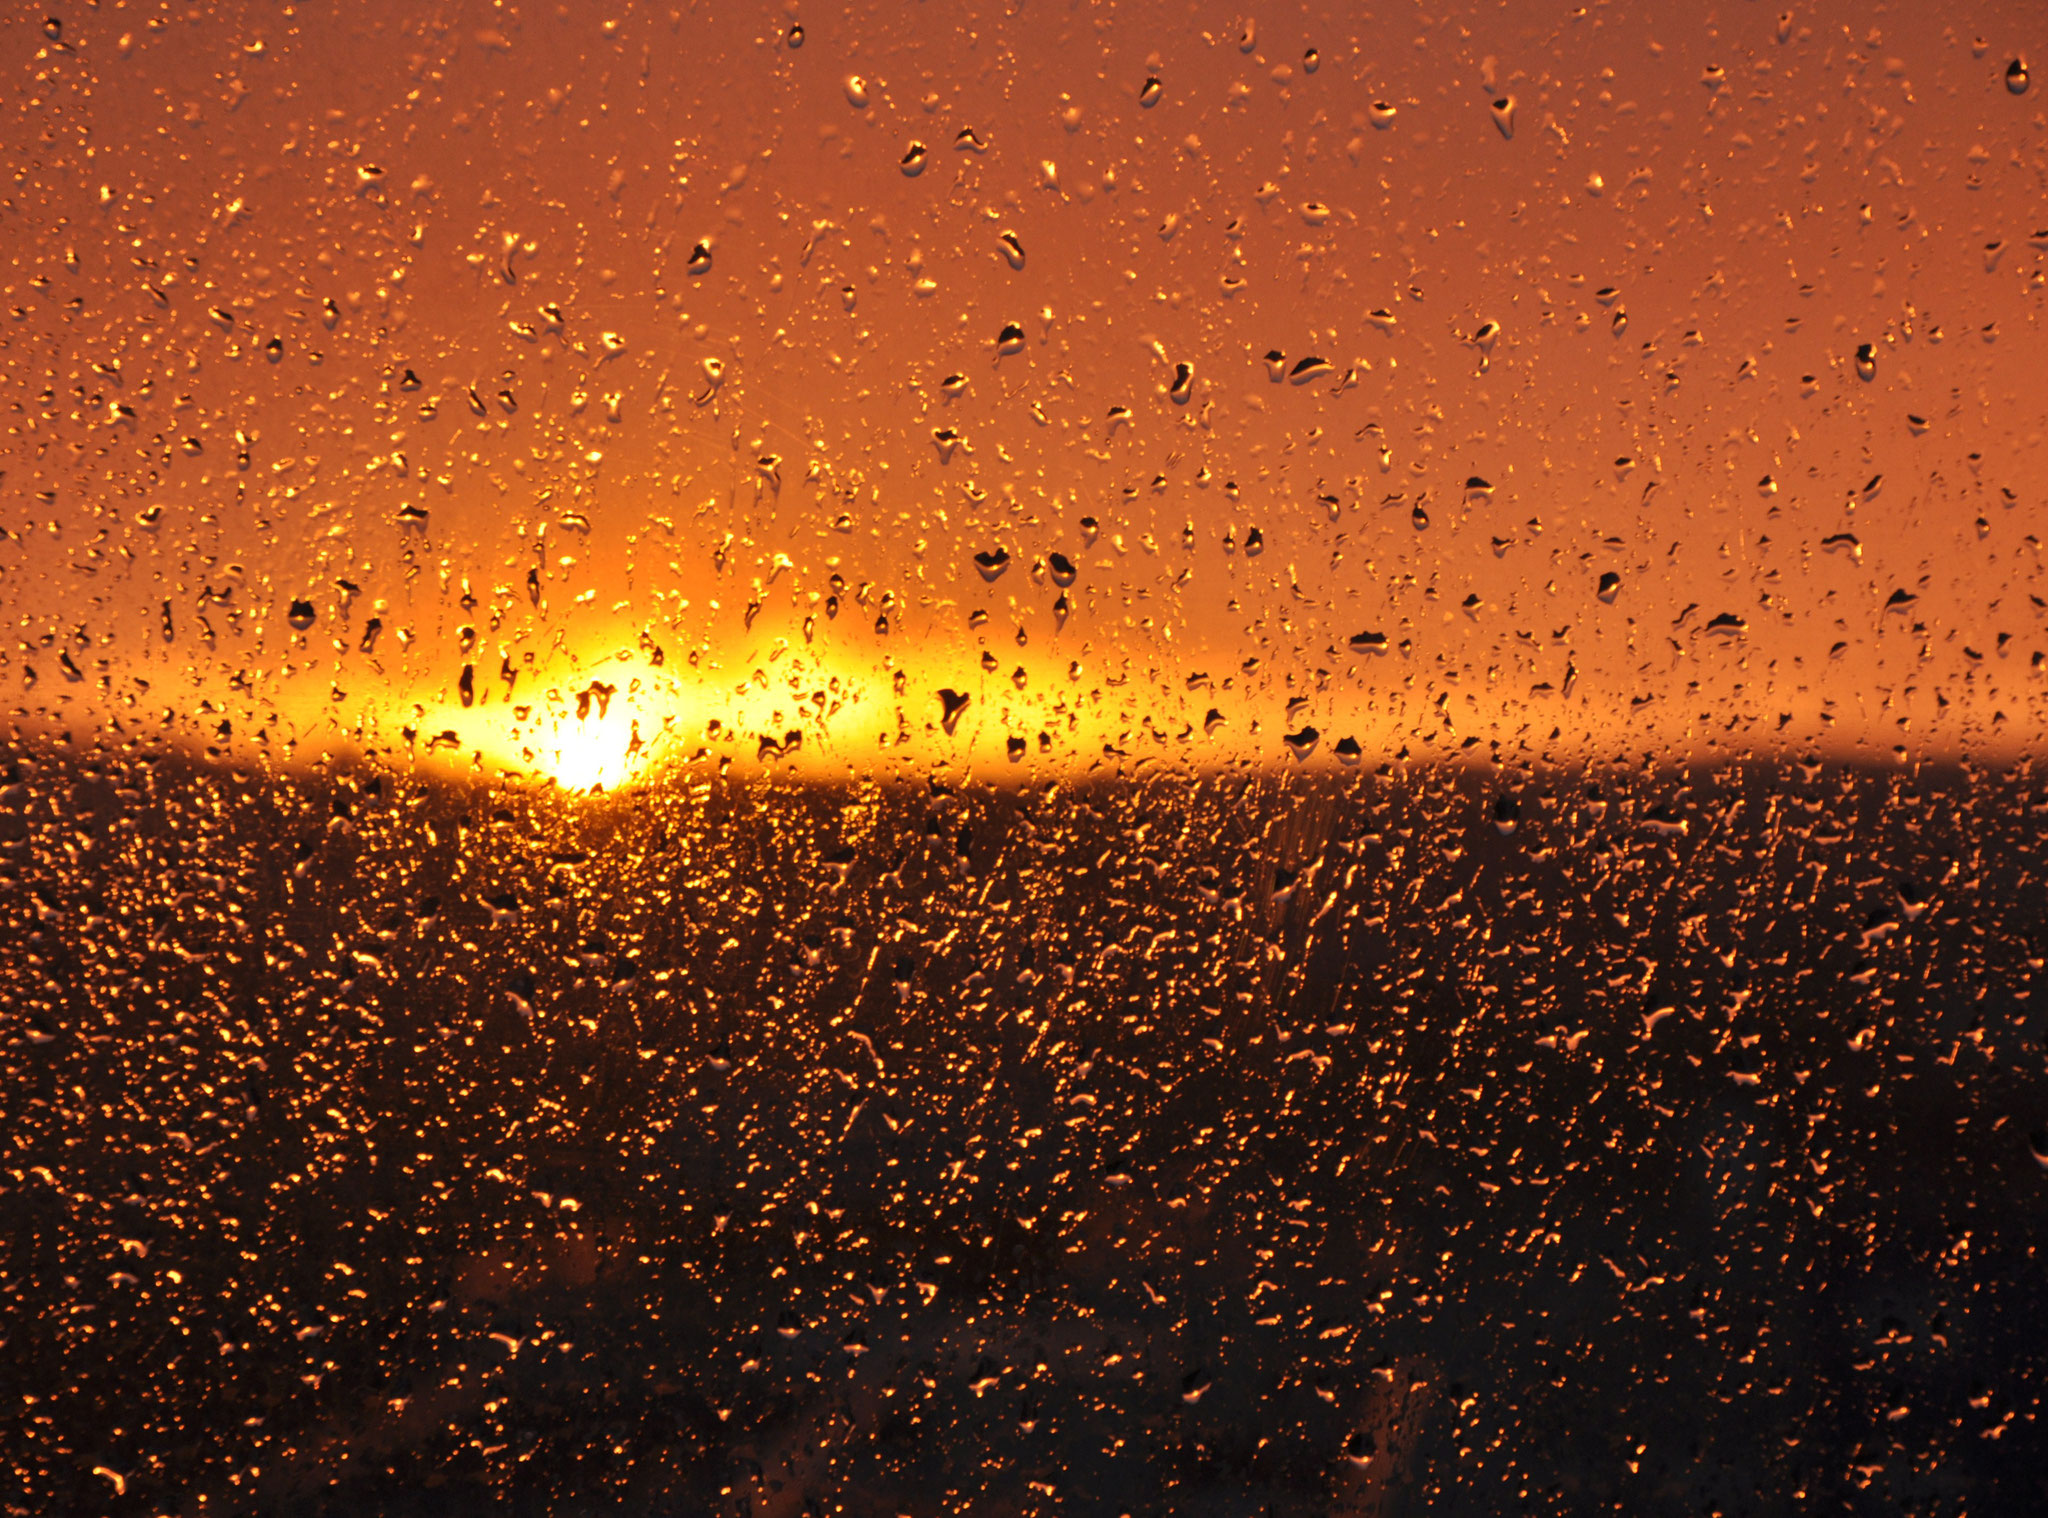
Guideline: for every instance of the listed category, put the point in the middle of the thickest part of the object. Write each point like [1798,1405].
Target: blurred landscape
[1497,1137]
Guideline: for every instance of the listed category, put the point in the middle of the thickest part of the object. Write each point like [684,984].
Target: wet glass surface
[1072,760]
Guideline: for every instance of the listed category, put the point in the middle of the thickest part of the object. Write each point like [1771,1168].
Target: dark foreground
[1265,1146]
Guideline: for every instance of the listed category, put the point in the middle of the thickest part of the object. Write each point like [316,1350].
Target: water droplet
[1183,384]
[912,162]
[1149,93]
[301,615]
[700,257]
[1248,36]
[1311,61]
[1866,362]
[1303,743]
[2016,76]
[856,91]
[1503,111]
[1010,339]
[1063,569]
[992,562]
[1013,250]
[951,704]
[1369,643]
[795,37]
[967,140]
[1382,113]
[1714,76]
[1254,543]
[1507,813]
[1307,369]
[1610,587]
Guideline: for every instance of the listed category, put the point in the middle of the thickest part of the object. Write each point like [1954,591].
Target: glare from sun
[588,755]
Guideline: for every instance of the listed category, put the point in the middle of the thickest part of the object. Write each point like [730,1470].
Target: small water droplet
[1503,111]
[1013,250]
[795,37]
[1866,362]
[2016,76]
[1610,587]
[856,91]
[1010,339]
[1382,113]
[1063,569]
[912,162]
[1311,61]
[700,257]
[1149,93]
[992,562]
[1183,384]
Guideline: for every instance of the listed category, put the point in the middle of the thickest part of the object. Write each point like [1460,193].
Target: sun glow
[617,721]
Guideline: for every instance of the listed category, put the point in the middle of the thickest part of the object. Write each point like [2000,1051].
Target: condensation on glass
[1022,759]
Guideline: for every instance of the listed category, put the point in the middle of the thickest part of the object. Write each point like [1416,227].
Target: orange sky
[412,302]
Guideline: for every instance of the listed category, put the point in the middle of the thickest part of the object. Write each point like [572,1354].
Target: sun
[590,754]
